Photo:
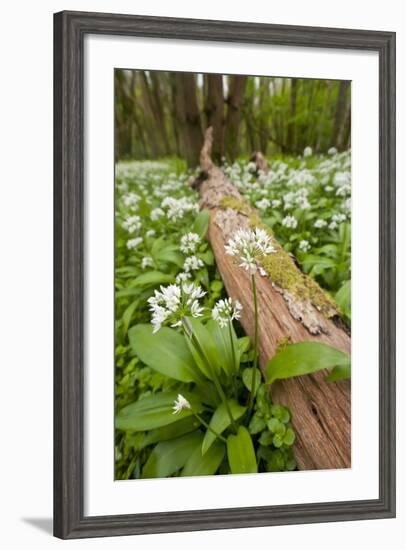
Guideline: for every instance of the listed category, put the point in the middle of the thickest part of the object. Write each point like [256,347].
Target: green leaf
[289,437]
[127,315]
[247,379]
[207,464]
[225,346]
[153,412]
[170,254]
[341,372]
[256,424]
[343,298]
[240,452]
[201,223]
[221,420]
[176,429]
[203,348]
[165,351]
[170,456]
[207,257]
[152,278]
[303,358]
[244,344]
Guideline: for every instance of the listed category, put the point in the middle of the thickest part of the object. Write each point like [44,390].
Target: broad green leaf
[152,278]
[304,358]
[206,353]
[343,298]
[170,431]
[170,456]
[124,292]
[207,464]
[165,351]
[127,315]
[225,345]
[207,257]
[240,452]
[170,254]
[247,379]
[244,344]
[341,372]
[320,261]
[153,412]
[221,420]
[201,223]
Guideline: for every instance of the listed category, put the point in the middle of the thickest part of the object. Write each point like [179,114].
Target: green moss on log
[281,267]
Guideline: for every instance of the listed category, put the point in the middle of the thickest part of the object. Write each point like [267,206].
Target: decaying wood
[321,411]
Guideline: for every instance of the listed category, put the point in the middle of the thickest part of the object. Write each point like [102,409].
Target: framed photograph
[224,274]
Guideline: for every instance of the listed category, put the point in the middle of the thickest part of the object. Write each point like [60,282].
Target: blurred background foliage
[164,114]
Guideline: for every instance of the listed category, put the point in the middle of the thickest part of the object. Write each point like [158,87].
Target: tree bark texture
[234,102]
[321,411]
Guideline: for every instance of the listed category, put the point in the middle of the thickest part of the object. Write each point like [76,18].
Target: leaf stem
[200,419]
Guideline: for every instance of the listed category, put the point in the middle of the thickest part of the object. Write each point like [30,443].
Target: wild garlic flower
[225,311]
[133,243]
[131,200]
[289,222]
[156,213]
[182,276]
[174,302]
[332,151]
[249,246]
[132,224]
[150,233]
[180,403]
[319,224]
[308,151]
[192,263]
[263,204]
[276,203]
[189,243]
[147,261]
[304,246]
[176,208]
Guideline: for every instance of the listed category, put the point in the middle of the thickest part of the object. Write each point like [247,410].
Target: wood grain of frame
[70,29]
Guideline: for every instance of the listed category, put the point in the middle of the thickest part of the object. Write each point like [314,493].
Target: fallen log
[292,307]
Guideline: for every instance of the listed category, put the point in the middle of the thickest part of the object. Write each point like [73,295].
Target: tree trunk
[263,113]
[193,137]
[159,109]
[234,101]
[340,113]
[292,115]
[214,109]
[321,411]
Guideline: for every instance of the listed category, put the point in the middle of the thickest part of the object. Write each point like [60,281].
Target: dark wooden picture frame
[70,29]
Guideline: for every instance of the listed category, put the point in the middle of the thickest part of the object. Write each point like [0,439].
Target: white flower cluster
[189,243]
[290,222]
[132,224]
[133,243]
[263,204]
[308,151]
[192,263]
[176,208]
[249,245]
[180,403]
[304,245]
[225,311]
[174,302]
[131,200]
[319,224]
[146,261]
[156,213]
